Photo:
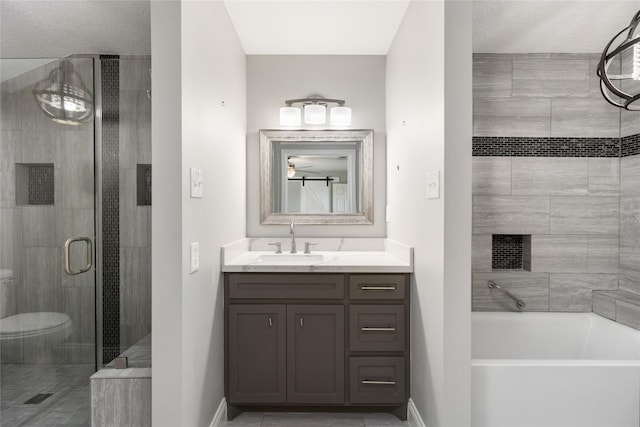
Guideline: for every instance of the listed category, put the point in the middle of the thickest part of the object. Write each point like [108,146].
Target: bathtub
[553,369]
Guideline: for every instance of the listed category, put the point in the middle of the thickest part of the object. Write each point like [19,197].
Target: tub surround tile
[604,305]
[510,215]
[629,284]
[572,292]
[594,80]
[551,78]
[491,175]
[630,176]
[549,176]
[602,254]
[519,146]
[559,253]
[584,117]
[492,76]
[628,313]
[604,176]
[528,117]
[481,253]
[532,288]
[584,215]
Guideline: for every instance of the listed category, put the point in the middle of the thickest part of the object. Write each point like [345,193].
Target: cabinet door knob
[301,322]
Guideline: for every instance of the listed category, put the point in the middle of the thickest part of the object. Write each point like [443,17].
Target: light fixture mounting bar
[314,100]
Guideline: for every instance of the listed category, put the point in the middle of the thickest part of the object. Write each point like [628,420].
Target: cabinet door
[315,353]
[257,358]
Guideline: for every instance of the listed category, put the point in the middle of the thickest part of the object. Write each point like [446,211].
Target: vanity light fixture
[64,97]
[624,50]
[315,112]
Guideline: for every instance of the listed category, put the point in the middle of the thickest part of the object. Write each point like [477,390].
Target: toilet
[28,337]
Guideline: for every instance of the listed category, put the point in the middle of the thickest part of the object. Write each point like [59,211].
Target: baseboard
[413,416]
[221,414]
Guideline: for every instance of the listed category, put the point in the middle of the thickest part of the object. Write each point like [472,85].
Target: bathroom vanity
[327,334]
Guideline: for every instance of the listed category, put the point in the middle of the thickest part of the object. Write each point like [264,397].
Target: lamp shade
[290,116]
[315,114]
[340,116]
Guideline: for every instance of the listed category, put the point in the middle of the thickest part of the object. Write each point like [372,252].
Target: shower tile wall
[546,165]
[33,235]
[135,220]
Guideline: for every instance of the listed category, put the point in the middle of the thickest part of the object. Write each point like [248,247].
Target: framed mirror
[316,176]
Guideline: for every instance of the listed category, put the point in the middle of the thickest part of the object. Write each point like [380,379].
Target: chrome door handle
[369,328]
[378,288]
[67,255]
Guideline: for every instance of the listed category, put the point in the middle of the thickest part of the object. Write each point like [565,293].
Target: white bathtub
[553,369]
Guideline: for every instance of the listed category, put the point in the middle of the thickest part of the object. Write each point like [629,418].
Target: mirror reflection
[316,176]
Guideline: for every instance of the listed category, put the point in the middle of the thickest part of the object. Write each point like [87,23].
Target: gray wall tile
[511,117]
[10,103]
[572,292]
[629,284]
[75,171]
[555,176]
[491,175]
[584,117]
[481,252]
[628,314]
[594,86]
[39,225]
[559,253]
[492,76]
[629,122]
[604,176]
[122,401]
[551,78]
[532,288]
[603,252]
[604,306]
[584,215]
[9,156]
[630,176]
[510,215]
[630,236]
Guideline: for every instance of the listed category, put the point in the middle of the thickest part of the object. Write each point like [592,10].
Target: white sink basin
[303,259]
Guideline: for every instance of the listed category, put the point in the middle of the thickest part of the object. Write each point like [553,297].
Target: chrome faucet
[292,231]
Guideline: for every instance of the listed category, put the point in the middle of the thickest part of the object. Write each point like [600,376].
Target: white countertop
[338,256]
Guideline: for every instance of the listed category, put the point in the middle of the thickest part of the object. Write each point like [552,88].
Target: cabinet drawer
[376,328]
[377,286]
[289,286]
[377,380]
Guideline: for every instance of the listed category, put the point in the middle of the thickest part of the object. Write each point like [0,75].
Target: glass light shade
[290,116]
[340,116]
[291,170]
[315,114]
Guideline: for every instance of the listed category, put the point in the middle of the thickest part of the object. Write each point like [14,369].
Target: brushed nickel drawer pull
[378,288]
[373,382]
[270,322]
[369,328]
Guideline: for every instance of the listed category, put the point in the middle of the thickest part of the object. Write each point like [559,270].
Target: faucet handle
[307,246]
[278,246]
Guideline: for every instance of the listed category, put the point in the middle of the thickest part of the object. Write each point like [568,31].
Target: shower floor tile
[69,403]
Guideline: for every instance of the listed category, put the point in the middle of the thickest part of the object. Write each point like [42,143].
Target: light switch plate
[195,257]
[433,185]
[196,183]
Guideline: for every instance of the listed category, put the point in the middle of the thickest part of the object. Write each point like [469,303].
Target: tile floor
[68,406]
[300,419]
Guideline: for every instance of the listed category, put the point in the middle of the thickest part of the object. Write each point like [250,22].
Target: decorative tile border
[630,145]
[110,77]
[545,147]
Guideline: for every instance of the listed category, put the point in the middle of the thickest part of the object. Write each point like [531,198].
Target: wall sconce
[64,97]
[315,112]
[627,51]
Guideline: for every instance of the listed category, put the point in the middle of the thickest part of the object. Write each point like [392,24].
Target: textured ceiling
[544,26]
[57,28]
[290,27]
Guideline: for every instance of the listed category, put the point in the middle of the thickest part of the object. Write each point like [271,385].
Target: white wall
[429,128]
[359,80]
[211,101]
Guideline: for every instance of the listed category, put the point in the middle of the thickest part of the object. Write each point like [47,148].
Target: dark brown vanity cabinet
[316,339]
